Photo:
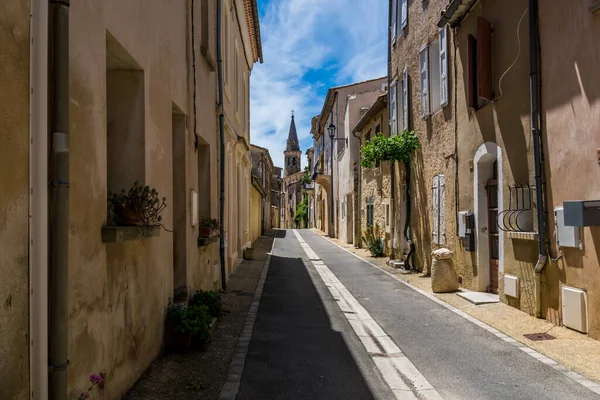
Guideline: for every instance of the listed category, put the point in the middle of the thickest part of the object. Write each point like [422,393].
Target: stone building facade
[292,187]
[142,107]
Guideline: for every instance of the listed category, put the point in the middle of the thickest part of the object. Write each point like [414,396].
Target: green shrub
[210,299]
[374,241]
[199,318]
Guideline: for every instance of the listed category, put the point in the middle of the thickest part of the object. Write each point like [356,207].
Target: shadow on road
[294,353]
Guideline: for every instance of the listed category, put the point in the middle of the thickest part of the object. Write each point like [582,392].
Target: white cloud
[309,45]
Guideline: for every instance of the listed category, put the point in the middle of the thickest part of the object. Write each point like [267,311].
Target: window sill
[203,242]
[522,235]
[119,234]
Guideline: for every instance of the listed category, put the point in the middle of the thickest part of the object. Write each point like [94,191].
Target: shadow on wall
[280,342]
[421,216]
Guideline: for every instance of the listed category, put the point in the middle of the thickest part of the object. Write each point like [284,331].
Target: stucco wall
[436,133]
[504,124]
[255,213]
[571,101]
[14,114]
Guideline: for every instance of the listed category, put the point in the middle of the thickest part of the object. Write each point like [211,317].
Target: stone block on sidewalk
[443,275]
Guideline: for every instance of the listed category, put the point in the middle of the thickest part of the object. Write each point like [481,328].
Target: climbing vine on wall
[393,148]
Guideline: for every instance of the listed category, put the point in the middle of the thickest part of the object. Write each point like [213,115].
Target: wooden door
[492,202]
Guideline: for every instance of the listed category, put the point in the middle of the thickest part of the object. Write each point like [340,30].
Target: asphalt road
[303,346]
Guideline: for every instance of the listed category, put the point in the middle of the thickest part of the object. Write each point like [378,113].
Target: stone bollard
[443,275]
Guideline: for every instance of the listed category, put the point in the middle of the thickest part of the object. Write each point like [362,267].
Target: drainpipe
[38,201]
[221,145]
[359,194]
[534,88]
[392,165]
[59,250]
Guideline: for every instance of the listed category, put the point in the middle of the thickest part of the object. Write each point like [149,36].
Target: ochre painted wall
[255,213]
[571,100]
[14,169]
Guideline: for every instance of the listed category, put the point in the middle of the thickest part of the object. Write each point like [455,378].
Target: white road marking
[401,375]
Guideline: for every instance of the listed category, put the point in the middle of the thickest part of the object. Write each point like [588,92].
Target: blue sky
[308,47]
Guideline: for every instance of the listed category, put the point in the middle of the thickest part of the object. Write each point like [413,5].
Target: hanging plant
[141,206]
[392,148]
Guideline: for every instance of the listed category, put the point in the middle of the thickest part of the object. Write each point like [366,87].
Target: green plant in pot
[249,253]
[207,226]
[139,206]
[200,318]
[180,326]
[211,299]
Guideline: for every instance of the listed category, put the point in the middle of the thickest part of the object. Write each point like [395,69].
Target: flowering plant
[96,380]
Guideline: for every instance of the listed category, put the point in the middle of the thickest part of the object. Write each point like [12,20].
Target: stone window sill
[118,234]
[203,242]
[522,235]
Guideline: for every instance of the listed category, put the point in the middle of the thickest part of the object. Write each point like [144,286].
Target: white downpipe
[38,201]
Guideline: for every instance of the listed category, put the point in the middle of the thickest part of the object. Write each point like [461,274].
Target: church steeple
[292,151]
[292,141]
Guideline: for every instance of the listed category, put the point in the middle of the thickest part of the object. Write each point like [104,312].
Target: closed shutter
[471,72]
[444,66]
[405,98]
[442,208]
[424,75]
[436,211]
[393,110]
[484,58]
[404,14]
[394,19]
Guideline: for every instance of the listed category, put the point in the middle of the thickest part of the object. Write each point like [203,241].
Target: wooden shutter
[404,13]
[393,110]
[444,66]
[424,76]
[405,98]
[394,28]
[436,212]
[442,208]
[484,59]
[471,72]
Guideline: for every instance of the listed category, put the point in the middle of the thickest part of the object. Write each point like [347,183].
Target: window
[433,65]
[405,115]
[369,215]
[343,208]
[378,129]
[393,110]
[424,78]
[439,210]
[394,15]
[404,14]
[387,213]
[368,137]
[479,65]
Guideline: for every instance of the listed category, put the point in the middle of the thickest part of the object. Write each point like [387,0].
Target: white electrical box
[511,285]
[566,236]
[193,208]
[574,308]
[462,223]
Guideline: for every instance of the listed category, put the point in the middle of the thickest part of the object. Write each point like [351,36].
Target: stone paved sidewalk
[201,374]
[570,348]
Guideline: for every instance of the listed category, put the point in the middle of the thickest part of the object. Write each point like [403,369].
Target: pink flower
[96,379]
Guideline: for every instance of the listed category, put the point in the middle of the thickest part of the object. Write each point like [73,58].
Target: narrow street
[331,326]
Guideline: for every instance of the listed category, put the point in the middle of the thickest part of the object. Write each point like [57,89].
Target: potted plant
[207,226]
[139,206]
[248,253]
[180,325]
[200,318]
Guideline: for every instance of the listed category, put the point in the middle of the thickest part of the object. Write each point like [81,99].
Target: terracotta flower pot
[204,231]
[174,341]
[128,216]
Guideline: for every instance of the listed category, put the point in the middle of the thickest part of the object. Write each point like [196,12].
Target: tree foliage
[301,217]
[393,148]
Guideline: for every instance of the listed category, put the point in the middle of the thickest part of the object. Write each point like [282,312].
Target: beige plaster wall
[436,133]
[255,213]
[571,101]
[504,122]
[14,168]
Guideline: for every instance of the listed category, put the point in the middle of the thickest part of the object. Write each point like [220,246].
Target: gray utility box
[582,213]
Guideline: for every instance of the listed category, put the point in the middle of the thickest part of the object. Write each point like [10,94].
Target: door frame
[483,162]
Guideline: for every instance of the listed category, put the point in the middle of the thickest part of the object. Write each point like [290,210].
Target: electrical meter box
[582,212]
[566,236]
[470,232]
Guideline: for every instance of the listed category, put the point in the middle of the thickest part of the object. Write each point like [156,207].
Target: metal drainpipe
[534,88]
[221,146]
[38,203]
[59,252]
[392,165]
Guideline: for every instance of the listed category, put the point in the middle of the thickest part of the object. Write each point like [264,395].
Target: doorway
[492,211]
